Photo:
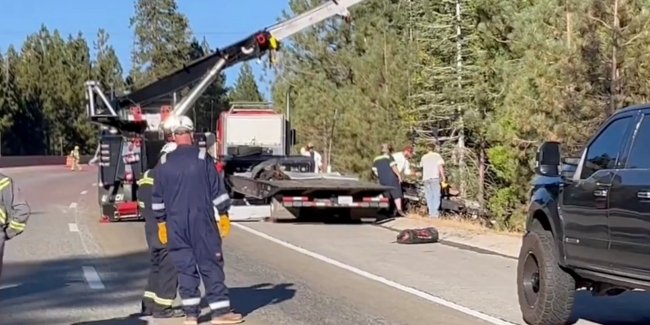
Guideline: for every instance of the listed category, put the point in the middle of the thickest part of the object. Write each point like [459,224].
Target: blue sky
[219,21]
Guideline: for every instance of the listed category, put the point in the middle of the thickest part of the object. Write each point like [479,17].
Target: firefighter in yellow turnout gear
[163,278]
[14,213]
[75,159]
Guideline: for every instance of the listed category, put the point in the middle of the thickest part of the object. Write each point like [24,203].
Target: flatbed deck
[304,184]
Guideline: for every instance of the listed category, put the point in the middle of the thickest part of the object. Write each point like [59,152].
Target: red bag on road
[418,236]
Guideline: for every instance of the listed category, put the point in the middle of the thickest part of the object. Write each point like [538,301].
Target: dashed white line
[92,277]
[382,280]
[73,205]
[9,286]
[83,192]
[73,227]
[94,184]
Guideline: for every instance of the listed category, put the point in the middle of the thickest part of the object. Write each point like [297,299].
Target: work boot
[146,309]
[168,313]
[227,318]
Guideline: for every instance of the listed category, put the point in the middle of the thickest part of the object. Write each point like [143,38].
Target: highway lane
[484,283]
[70,269]
[355,274]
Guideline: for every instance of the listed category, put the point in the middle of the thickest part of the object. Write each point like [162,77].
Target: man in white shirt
[310,152]
[402,160]
[433,174]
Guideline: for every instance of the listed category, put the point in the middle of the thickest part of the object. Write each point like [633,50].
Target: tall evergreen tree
[162,40]
[12,116]
[348,83]
[106,66]
[245,88]
[30,131]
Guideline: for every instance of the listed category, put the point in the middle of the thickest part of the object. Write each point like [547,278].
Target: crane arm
[207,69]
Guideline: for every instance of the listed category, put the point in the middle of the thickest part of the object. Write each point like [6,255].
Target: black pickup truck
[588,221]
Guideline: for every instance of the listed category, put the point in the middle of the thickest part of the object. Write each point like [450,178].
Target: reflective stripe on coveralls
[3,215]
[14,211]
[186,189]
[163,278]
[163,302]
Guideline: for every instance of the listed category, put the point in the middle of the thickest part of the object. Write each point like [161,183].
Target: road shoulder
[459,235]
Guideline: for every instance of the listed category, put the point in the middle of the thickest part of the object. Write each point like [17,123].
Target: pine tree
[162,40]
[106,66]
[245,89]
[30,131]
[348,83]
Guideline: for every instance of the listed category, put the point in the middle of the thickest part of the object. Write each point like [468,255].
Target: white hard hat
[168,147]
[178,123]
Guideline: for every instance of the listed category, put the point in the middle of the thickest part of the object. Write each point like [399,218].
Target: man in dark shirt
[385,167]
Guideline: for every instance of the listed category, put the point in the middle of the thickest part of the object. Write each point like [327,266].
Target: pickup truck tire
[546,292]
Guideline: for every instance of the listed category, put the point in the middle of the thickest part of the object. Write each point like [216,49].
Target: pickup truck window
[640,155]
[603,151]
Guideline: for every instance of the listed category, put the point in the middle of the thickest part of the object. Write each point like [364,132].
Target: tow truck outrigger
[132,133]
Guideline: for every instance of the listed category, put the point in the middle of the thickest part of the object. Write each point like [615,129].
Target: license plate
[345,200]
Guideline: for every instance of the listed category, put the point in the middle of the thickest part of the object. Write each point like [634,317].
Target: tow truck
[132,135]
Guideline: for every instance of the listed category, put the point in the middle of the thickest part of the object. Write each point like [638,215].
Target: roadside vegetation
[488,79]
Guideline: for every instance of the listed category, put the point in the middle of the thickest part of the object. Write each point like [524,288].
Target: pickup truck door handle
[643,195]
[602,193]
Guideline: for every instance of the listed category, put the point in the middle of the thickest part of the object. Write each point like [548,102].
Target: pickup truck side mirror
[548,159]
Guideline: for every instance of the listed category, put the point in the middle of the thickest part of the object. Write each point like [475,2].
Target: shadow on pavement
[246,300]
[56,292]
[629,308]
[249,299]
[116,321]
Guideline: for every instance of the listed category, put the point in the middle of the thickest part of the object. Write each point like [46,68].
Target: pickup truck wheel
[546,292]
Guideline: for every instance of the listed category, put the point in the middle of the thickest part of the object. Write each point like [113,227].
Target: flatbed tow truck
[133,136]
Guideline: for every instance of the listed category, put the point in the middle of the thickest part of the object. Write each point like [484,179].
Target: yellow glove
[444,184]
[224,225]
[162,232]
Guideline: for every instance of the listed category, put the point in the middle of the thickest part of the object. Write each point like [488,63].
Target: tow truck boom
[206,69]
[133,136]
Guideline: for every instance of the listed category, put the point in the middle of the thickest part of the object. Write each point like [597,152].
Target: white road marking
[94,184]
[73,227]
[370,276]
[73,205]
[92,278]
[84,192]
[9,286]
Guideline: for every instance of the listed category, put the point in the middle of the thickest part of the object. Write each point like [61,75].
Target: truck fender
[547,215]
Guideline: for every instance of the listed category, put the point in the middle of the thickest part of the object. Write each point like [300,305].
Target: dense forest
[488,80]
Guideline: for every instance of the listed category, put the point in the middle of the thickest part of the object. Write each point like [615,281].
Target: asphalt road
[68,268]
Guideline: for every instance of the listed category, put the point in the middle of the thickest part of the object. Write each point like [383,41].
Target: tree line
[42,99]
[489,80]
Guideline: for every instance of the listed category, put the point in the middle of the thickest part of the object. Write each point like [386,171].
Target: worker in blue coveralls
[186,192]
